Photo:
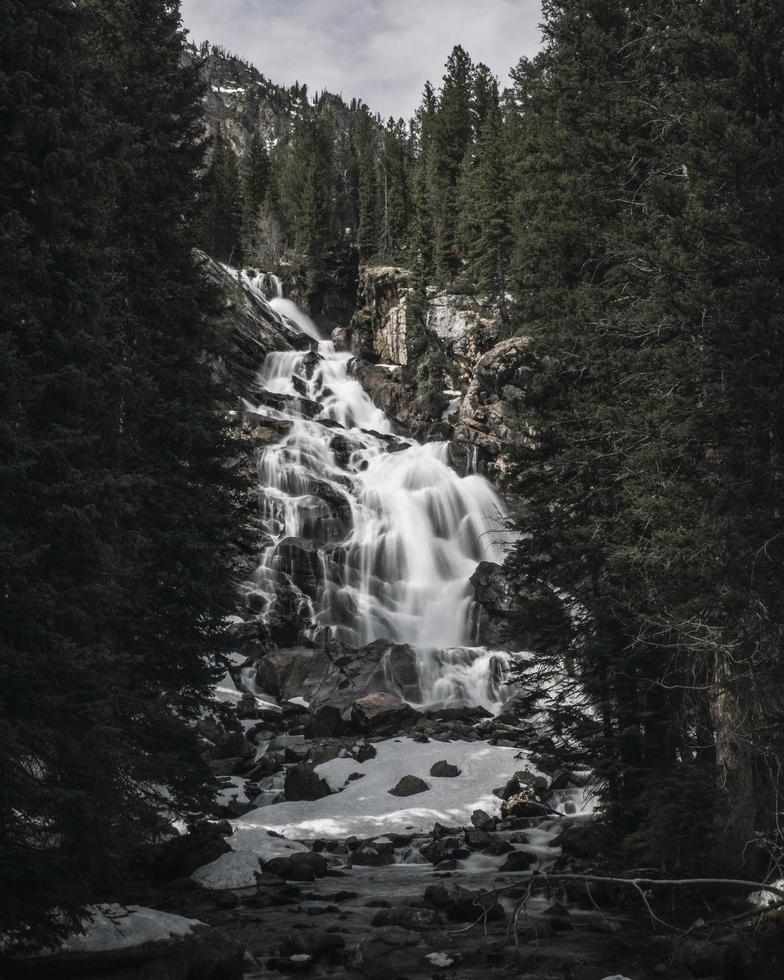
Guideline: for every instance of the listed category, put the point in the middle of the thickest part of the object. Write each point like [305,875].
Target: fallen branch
[545,879]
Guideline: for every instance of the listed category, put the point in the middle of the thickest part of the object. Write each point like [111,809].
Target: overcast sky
[381,51]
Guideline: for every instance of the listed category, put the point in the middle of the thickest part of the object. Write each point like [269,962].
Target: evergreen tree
[396,165]
[255,186]
[222,206]
[117,512]
[452,131]
[368,223]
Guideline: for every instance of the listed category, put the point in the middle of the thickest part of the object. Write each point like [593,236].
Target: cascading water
[371,537]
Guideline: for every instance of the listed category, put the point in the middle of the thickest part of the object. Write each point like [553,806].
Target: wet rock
[325,722]
[315,944]
[523,782]
[497,846]
[408,917]
[442,830]
[409,786]
[389,951]
[483,821]
[523,807]
[444,770]
[364,752]
[576,840]
[301,866]
[517,861]
[375,853]
[303,783]
[382,714]
[464,905]
[299,560]
[446,849]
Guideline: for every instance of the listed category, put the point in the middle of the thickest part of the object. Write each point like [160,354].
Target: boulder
[409,786]
[303,783]
[462,904]
[301,866]
[325,722]
[517,861]
[444,770]
[389,951]
[445,849]
[408,917]
[375,853]
[523,807]
[523,782]
[483,821]
[382,714]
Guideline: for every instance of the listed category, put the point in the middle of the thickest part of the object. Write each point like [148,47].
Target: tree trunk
[736,804]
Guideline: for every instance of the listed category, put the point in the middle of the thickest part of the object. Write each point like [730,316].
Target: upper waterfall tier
[370,536]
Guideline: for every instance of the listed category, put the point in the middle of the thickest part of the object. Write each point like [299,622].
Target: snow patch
[440,959]
[365,807]
[238,867]
[764,899]
[120,926]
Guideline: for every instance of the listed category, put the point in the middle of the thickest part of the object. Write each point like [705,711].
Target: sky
[380,51]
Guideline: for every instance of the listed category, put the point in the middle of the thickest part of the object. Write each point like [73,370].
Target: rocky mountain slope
[239,100]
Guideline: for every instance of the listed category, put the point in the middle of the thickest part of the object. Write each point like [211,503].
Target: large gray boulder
[337,675]
[382,714]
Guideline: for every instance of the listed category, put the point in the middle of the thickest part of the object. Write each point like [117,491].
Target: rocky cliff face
[488,376]
[239,100]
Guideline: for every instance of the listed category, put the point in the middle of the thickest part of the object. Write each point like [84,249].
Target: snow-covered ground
[120,926]
[365,807]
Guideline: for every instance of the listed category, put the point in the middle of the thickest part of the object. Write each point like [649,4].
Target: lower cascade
[371,536]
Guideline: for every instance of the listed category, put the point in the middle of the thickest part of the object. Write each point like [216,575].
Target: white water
[388,539]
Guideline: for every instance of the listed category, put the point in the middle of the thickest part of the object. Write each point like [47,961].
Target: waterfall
[372,536]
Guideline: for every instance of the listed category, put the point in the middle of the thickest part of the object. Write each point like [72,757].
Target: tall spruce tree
[452,130]
[117,496]
[255,187]
[646,271]
[224,211]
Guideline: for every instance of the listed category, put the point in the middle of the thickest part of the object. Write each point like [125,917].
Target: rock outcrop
[466,325]
[252,328]
[489,418]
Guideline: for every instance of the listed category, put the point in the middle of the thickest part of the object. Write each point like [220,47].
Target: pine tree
[117,501]
[396,166]
[452,131]
[255,186]
[57,499]
[222,208]
[368,221]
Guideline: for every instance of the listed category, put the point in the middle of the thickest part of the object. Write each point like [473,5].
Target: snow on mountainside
[240,100]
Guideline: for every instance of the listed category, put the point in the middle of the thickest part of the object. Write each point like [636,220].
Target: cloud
[381,51]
